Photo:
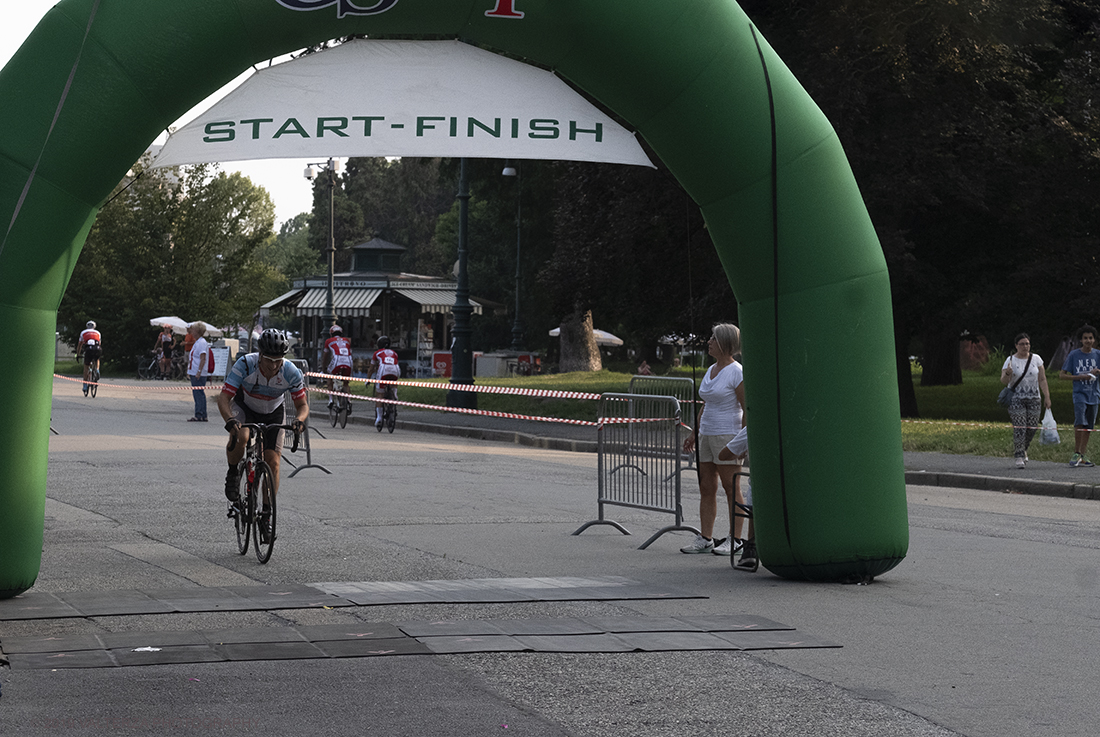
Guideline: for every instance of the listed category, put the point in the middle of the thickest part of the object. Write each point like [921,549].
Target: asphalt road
[988,628]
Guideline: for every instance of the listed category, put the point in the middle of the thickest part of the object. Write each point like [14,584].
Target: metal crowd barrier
[288,404]
[680,387]
[638,462]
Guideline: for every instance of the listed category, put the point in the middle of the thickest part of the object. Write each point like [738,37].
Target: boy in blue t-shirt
[1082,366]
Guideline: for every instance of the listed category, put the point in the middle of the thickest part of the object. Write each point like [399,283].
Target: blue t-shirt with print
[1079,362]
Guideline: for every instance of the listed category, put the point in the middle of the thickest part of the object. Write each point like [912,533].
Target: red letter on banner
[504,9]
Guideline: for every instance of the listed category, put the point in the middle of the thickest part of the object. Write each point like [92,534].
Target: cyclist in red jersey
[383,365]
[336,357]
[91,346]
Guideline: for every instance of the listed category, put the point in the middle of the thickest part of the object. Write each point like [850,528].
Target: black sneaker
[748,561]
[232,492]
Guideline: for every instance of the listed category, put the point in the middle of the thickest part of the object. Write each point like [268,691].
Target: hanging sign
[402,98]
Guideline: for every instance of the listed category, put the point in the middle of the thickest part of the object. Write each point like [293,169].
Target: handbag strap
[1026,367]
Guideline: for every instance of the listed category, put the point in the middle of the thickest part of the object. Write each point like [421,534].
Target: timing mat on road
[44,605]
[373,639]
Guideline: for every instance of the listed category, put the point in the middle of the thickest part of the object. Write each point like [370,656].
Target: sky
[282,178]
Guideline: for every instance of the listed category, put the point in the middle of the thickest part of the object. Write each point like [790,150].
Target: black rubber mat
[373,639]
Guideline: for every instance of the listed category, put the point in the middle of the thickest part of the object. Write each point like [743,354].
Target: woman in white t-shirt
[722,416]
[1024,409]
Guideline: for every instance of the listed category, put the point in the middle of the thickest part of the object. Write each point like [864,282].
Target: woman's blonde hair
[728,337]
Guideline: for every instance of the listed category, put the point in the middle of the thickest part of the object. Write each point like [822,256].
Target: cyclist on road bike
[336,357]
[383,365]
[253,392]
[91,345]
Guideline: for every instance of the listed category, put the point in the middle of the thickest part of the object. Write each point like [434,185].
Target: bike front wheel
[246,503]
[263,521]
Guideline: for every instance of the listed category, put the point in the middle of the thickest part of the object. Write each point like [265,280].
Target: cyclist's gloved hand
[232,425]
[298,426]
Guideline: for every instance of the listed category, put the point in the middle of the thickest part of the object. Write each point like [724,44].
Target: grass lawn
[966,419]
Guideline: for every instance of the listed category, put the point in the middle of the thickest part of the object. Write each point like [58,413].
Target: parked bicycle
[148,366]
[340,407]
[254,513]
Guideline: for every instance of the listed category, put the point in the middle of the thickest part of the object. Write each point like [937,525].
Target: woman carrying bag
[1023,373]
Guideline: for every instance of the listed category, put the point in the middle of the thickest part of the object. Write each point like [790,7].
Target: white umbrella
[602,337]
[179,326]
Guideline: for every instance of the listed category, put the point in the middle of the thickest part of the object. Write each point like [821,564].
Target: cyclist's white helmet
[335,329]
[91,324]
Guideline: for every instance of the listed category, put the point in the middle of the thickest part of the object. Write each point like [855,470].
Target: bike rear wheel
[246,502]
[343,406]
[263,521]
[95,382]
[391,418]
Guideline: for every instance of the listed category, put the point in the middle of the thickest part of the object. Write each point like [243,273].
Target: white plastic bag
[1049,435]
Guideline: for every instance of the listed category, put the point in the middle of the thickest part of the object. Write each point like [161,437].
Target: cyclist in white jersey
[253,392]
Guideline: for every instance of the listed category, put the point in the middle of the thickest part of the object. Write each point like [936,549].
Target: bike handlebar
[260,428]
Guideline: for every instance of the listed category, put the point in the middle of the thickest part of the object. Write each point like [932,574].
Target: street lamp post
[328,319]
[462,364]
[517,326]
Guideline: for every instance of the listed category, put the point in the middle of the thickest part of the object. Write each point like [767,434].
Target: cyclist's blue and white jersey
[248,386]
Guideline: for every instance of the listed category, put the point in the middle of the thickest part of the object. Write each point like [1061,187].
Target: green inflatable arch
[99,79]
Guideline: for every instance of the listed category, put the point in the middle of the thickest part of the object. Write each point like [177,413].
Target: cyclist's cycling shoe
[233,509]
[232,492]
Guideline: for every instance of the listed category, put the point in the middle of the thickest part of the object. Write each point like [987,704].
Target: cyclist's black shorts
[273,438]
[91,354]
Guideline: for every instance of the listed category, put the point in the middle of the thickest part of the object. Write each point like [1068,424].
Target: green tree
[184,242]
[969,125]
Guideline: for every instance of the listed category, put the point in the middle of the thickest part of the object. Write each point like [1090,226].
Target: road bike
[148,366]
[340,406]
[92,385]
[389,410]
[254,512]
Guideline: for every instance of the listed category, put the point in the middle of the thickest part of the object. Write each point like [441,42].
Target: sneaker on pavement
[1020,463]
[748,561]
[724,547]
[699,545]
[1076,460]
[1086,462]
[232,493]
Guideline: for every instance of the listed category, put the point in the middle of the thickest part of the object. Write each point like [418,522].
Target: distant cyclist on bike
[253,392]
[91,346]
[336,357]
[383,365]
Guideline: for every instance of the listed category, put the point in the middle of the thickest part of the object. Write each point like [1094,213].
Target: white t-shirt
[1029,387]
[194,366]
[722,411]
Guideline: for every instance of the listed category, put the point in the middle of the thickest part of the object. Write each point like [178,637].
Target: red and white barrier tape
[155,387]
[552,393]
[488,413]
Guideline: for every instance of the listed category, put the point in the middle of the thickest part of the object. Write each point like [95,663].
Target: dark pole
[329,318]
[517,326]
[462,364]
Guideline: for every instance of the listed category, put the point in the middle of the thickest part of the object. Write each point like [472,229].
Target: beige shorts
[710,446]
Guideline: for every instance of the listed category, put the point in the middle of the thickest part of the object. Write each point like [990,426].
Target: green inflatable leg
[25,447]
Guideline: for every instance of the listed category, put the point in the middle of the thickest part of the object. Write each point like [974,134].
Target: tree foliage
[187,242]
[970,128]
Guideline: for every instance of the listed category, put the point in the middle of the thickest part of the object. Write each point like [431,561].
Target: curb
[997,483]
